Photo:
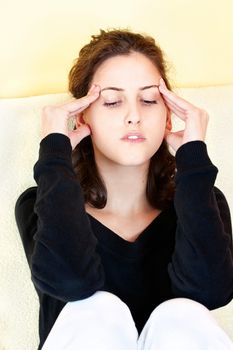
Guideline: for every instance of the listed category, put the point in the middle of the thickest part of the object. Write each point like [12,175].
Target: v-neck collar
[111,240]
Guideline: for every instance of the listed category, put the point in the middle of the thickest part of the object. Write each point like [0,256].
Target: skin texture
[129,111]
[124,165]
[54,118]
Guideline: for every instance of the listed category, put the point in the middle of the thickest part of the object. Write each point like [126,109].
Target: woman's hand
[55,118]
[195,119]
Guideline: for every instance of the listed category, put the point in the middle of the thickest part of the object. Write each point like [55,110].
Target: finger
[77,135]
[78,105]
[178,133]
[167,99]
[175,104]
[174,139]
[175,99]
[171,96]
[177,111]
[171,104]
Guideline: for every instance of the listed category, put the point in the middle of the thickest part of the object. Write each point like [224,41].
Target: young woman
[122,238]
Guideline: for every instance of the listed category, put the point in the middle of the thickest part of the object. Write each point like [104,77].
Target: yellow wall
[40,38]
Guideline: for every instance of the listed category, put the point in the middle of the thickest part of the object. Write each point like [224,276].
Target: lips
[133,136]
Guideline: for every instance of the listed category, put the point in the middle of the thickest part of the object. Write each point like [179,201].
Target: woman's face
[129,118]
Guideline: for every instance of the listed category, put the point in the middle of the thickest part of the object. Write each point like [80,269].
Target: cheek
[93,113]
[101,120]
[157,121]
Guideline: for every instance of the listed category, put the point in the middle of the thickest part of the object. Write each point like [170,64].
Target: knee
[106,299]
[183,311]
[104,310]
[101,304]
[181,308]
[185,321]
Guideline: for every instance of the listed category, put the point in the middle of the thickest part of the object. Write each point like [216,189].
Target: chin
[133,161]
[124,157]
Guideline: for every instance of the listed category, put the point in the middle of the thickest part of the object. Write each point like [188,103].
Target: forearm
[202,266]
[65,263]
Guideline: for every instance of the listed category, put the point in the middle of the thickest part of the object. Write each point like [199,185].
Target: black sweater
[185,252]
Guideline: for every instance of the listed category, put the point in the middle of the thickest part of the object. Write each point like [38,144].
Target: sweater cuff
[55,144]
[192,155]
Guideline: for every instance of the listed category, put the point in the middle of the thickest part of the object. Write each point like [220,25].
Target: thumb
[77,135]
[174,139]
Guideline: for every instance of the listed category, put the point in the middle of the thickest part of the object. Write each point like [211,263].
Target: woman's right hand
[55,118]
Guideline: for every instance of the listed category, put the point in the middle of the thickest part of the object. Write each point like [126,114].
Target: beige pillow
[19,141]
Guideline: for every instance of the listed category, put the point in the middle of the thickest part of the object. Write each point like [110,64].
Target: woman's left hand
[195,119]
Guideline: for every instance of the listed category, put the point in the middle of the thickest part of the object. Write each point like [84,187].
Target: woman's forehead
[146,87]
[113,91]
[120,71]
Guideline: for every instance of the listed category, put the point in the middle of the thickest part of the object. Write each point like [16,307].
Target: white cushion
[19,141]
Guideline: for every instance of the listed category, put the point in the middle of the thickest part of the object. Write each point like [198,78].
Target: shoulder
[28,194]
[25,202]
[224,210]
[219,194]
[221,200]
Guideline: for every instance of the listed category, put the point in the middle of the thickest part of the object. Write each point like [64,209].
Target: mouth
[133,137]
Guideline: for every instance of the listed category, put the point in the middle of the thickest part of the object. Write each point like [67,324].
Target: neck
[126,188]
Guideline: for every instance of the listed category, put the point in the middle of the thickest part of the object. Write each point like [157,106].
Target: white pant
[104,322]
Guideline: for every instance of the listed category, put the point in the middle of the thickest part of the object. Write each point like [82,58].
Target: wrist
[55,143]
[192,154]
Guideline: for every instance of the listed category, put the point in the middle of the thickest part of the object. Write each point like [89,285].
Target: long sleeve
[202,262]
[64,263]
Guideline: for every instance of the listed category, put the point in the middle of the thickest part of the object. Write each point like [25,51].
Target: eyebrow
[120,89]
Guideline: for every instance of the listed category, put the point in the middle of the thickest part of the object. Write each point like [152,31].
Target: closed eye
[149,102]
[117,103]
[112,104]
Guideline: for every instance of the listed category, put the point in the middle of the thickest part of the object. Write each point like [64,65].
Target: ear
[80,120]
[169,121]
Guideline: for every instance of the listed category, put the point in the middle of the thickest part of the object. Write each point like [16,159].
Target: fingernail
[94,89]
[91,89]
[162,82]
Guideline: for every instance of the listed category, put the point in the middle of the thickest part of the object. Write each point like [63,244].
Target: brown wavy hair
[160,181]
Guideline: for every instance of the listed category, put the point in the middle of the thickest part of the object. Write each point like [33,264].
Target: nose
[133,116]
